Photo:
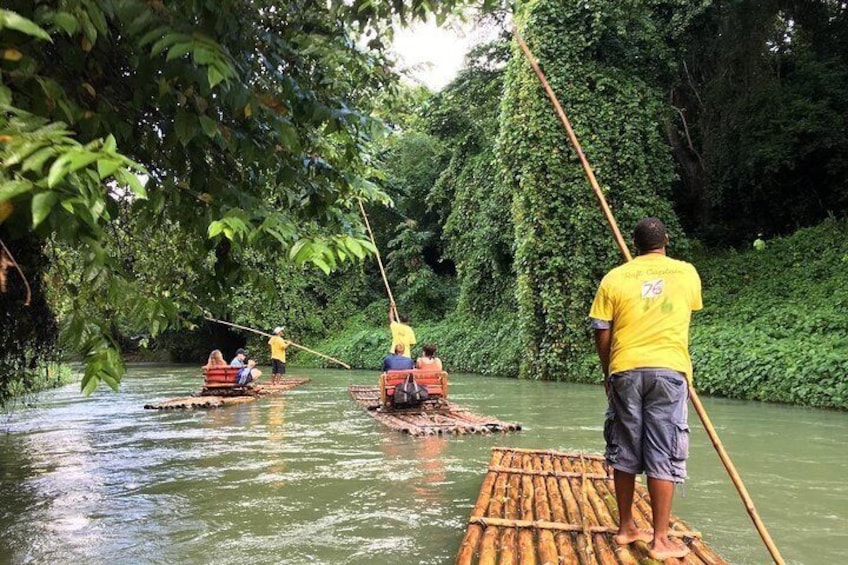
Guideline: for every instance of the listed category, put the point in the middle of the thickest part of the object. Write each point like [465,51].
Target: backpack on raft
[409,394]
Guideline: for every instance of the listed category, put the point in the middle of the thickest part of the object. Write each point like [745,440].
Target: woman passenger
[428,360]
[215,361]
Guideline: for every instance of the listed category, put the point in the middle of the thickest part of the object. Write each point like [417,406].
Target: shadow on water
[309,478]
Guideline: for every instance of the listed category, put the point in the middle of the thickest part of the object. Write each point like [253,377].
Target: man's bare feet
[667,549]
[626,536]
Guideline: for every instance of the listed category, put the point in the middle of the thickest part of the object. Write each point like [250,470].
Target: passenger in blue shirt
[397,361]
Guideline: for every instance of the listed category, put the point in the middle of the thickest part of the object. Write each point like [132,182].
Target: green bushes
[774,326]
[16,386]
[488,346]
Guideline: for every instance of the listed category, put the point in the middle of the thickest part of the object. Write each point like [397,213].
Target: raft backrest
[221,377]
[435,381]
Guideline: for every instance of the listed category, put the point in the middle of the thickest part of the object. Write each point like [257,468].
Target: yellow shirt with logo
[401,333]
[649,302]
[278,348]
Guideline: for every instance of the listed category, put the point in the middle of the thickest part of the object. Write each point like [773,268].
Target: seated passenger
[397,361]
[428,360]
[215,361]
[238,360]
[249,373]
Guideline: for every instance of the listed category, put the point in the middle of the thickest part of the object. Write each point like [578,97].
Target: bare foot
[667,549]
[628,536]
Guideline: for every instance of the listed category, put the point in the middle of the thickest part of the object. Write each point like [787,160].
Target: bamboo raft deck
[445,419]
[547,508]
[207,399]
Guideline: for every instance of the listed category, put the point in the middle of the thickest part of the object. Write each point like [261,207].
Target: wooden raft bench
[435,381]
[221,378]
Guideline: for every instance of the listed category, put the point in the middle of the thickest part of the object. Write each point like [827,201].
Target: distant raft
[226,397]
[559,508]
[445,418]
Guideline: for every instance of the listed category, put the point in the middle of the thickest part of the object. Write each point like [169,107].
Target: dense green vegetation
[725,118]
[773,326]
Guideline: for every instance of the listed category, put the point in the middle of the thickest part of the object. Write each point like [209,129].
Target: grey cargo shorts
[646,428]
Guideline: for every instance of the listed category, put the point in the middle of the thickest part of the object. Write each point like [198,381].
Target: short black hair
[241,351]
[404,318]
[429,349]
[649,234]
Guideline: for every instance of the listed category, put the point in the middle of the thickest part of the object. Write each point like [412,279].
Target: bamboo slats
[449,419]
[552,508]
[207,399]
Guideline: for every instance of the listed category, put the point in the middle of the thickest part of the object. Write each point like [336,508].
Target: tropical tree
[239,123]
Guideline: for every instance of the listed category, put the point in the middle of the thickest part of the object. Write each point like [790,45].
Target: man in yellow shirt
[641,316]
[278,355]
[401,332]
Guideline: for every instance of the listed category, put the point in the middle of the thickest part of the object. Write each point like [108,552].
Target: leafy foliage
[252,132]
[606,65]
[773,326]
[762,107]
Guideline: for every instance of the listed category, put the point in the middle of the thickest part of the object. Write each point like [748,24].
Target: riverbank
[772,328]
[17,387]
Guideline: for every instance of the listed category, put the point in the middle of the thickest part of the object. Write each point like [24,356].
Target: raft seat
[435,381]
[221,377]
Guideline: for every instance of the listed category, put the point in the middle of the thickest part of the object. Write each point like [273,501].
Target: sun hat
[277,330]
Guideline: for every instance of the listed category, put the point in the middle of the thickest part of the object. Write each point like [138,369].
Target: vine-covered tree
[607,61]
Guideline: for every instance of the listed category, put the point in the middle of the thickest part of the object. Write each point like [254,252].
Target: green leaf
[184,125]
[35,162]
[42,204]
[66,21]
[130,179]
[167,41]
[179,50]
[105,167]
[209,126]
[5,96]
[215,228]
[322,264]
[12,20]
[214,76]
[10,189]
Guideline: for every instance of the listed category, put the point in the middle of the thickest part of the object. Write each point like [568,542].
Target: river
[309,478]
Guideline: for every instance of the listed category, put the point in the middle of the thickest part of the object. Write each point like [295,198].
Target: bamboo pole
[293,344]
[392,304]
[509,538]
[472,537]
[547,541]
[525,536]
[696,401]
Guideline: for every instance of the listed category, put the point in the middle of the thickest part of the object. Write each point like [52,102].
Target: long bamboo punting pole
[696,401]
[247,329]
[392,304]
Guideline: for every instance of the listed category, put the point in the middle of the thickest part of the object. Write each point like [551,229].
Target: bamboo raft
[444,418]
[208,400]
[545,507]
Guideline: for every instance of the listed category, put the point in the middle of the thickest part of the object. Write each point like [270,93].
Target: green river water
[309,478]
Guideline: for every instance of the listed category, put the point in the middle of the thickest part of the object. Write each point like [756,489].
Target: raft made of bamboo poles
[444,419]
[214,398]
[546,507]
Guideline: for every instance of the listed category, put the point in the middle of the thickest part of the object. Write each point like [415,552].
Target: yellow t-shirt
[401,333]
[649,301]
[278,348]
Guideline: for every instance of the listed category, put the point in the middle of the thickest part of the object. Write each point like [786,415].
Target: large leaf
[12,20]
[42,204]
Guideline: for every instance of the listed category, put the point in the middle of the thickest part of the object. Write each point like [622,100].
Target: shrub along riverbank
[17,387]
[773,327]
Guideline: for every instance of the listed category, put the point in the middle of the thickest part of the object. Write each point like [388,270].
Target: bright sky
[431,54]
